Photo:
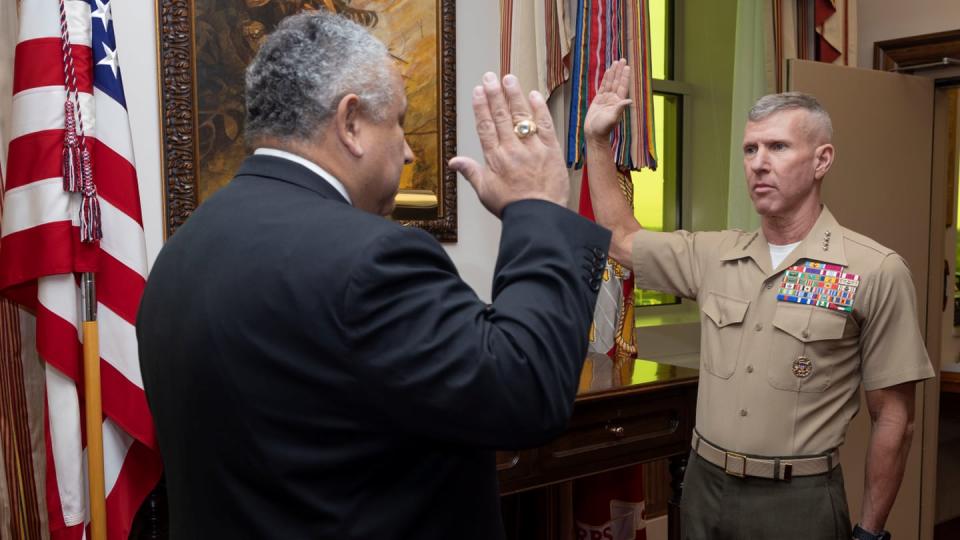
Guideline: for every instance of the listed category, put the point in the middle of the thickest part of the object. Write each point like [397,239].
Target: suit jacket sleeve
[440,363]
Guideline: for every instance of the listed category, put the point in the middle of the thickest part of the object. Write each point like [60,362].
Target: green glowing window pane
[648,186]
[661,39]
[656,202]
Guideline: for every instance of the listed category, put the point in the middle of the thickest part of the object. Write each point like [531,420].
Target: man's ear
[347,119]
[824,160]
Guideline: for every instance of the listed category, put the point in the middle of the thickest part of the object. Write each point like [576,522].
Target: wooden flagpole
[93,410]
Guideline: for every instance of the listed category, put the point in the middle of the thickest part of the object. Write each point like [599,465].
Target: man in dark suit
[317,371]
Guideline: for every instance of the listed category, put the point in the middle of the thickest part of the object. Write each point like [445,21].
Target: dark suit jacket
[316,371]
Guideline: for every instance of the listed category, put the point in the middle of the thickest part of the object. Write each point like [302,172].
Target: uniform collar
[823,243]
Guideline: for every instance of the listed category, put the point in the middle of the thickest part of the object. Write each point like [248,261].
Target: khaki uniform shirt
[780,378]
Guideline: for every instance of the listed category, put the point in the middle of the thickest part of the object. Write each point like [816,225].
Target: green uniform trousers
[718,506]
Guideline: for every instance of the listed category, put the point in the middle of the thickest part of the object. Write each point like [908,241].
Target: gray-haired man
[317,371]
[794,318]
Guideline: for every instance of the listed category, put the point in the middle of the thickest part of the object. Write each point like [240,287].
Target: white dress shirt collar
[318,170]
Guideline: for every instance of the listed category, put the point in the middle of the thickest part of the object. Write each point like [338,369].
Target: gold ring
[525,128]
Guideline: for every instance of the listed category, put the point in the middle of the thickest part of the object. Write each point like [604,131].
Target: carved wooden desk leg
[678,466]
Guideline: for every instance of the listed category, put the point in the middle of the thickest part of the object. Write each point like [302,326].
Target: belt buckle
[726,464]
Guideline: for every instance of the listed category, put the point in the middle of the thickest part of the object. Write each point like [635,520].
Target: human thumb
[470,170]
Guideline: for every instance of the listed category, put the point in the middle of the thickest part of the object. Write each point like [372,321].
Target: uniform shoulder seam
[867,242]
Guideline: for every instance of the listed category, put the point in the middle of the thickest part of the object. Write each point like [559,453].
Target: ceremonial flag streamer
[67,61]
[607,30]
[611,505]
[535,43]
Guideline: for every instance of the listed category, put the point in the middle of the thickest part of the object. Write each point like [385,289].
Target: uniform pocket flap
[809,323]
[723,310]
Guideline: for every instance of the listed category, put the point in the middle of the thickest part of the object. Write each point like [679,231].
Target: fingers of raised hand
[486,130]
[519,106]
[541,115]
[608,82]
[622,84]
[469,168]
[499,108]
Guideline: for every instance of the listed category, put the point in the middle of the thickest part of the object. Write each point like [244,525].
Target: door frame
[899,55]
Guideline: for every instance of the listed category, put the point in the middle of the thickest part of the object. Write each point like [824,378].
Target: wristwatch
[859,533]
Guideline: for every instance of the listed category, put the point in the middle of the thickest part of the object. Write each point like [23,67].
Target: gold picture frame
[204,45]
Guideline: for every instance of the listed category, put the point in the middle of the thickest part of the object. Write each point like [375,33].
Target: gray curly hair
[774,103]
[305,67]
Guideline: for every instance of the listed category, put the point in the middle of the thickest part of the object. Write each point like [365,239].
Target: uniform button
[770,285]
[758,327]
[743,412]
[805,334]
[749,369]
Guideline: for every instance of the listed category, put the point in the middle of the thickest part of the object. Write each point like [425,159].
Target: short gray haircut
[774,103]
[305,67]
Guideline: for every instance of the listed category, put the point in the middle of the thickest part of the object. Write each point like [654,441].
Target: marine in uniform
[795,317]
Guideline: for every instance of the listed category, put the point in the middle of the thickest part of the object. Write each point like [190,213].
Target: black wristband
[859,533]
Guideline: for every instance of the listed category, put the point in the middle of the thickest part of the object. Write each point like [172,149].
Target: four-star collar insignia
[819,284]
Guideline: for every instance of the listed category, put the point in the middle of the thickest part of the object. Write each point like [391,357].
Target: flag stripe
[120,288]
[136,421]
[41,108]
[65,442]
[132,482]
[34,205]
[42,20]
[118,241]
[47,67]
[57,340]
[53,238]
[118,345]
[32,151]
[123,193]
[111,129]
[115,447]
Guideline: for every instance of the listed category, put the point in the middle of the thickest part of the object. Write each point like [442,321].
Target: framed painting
[205,45]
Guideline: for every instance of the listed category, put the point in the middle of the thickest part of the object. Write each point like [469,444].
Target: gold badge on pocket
[802,367]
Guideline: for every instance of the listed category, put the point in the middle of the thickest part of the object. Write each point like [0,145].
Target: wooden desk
[949,396]
[950,382]
[649,418]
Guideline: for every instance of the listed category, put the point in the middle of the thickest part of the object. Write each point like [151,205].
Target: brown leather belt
[783,468]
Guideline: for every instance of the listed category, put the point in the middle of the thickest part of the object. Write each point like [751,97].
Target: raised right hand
[516,168]
[609,102]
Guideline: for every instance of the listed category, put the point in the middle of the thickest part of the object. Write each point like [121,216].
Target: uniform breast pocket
[721,333]
[804,347]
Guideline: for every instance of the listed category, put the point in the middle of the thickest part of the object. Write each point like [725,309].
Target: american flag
[41,255]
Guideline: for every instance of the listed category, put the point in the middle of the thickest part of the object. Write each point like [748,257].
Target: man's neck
[314,151]
[782,230]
